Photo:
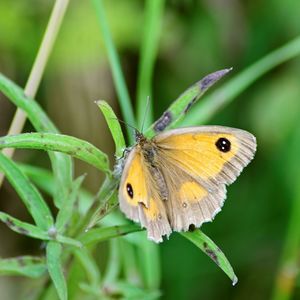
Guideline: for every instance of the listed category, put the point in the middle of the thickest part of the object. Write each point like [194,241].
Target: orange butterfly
[179,177]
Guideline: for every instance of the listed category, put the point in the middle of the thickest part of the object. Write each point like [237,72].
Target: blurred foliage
[197,37]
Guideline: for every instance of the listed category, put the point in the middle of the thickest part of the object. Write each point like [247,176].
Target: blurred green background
[260,221]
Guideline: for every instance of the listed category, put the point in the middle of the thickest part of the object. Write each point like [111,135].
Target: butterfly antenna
[123,122]
[145,114]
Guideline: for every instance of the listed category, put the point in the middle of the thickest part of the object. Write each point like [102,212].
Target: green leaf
[129,262]
[67,240]
[58,142]
[23,227]
[202,241]
[98,235]
[149,48]
[205,109]
[89,265]
[179,108]
[42,178]
[35,232]
[123,95]
[105,208]
[149,258]
[103,197]
[29,266]
[45,181]
[30,196]
[132,292]
[114,126]
[61,164]
[55,269]
[113,266]
[34,112]
[65,213]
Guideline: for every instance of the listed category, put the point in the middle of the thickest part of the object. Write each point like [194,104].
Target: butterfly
[178,178]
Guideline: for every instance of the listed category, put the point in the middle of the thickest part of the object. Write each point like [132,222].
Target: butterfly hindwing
[139,198]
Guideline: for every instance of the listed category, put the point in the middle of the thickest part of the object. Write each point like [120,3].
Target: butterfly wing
[197,163]
[139,197]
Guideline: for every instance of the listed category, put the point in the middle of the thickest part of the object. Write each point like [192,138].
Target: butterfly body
[177,178]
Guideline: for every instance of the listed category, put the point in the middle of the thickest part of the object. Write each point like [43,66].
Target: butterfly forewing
[214,154]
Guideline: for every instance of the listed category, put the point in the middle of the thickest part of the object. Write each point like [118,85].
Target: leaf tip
[234,280]
[212,78]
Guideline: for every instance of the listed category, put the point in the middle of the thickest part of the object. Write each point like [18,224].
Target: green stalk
[148,52]
[204,110]
[38,68]
[115,65]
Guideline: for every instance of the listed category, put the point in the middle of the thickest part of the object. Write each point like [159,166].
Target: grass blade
[148,52]
[65,213]
[30,196]
[61,164]
[114,127]
[149,258]
[104,208]
[45,181]
[115,65]
[179,108]
[54,265]
[58,142]
[98,235]
[205,109]
[29,266]
[114,264]
[23,227]
[89,265]
[203,242]
[35,232]
[35,113]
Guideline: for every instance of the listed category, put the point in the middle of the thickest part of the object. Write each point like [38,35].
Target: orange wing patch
[191,192]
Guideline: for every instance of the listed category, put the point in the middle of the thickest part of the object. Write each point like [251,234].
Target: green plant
[69,247]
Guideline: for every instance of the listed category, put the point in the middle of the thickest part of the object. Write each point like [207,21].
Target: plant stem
[124,99]
[289,263]
[148,52]
[38,68]
[204,110]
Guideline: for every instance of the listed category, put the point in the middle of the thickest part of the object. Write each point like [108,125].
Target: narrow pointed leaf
[102,234]
[58,142]
[28,266]
[203,242]
[61,164]
[90,266]
[45,181]
[121,88]
[65,213]
[204,110]
[30,196]
[55,269]
[68,241]
[42,178]
[114,127]
[179,108]
[23,227]
[148,52]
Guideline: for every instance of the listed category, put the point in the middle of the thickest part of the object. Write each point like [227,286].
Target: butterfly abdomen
[150,154]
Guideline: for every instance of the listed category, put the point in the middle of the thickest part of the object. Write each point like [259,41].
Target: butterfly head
[139,137]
